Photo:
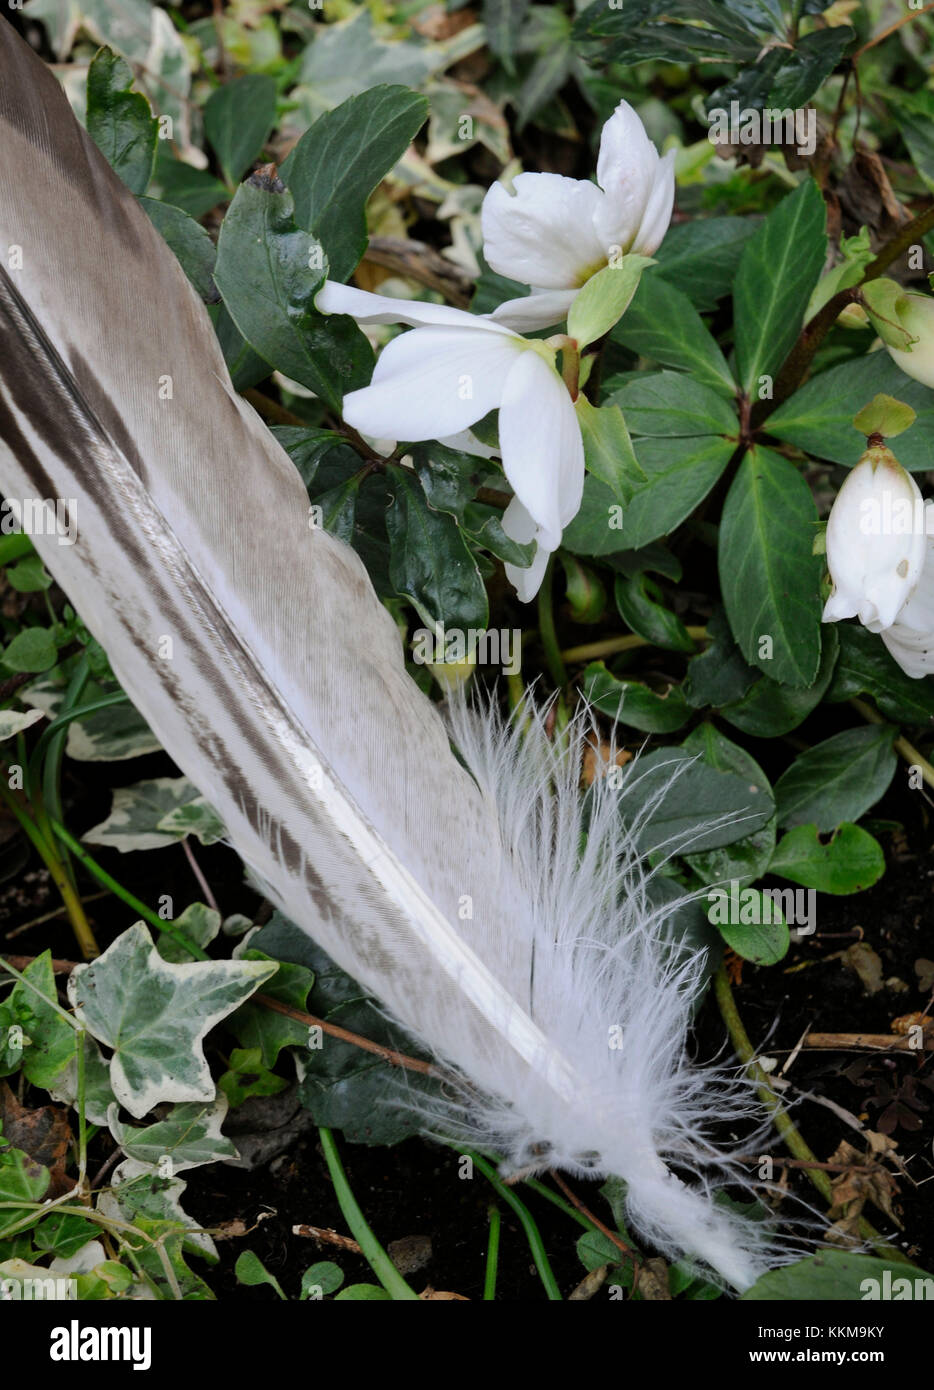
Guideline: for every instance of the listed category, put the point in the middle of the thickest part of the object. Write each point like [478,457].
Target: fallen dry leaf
[44,1134]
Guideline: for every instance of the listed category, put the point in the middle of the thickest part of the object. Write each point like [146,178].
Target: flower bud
[905,323]
[875,541]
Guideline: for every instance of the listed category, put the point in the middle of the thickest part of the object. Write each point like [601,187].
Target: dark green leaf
[779,268]
[120,121]
[237,120]
[306,447]
[746,859]
[662,324]
[837,780]
[700,257]
[803,68]
[195,191]
[837,1275]
[847,863]
[690,804]
[818,418]
[503,20]
[719,675]
[193,247]
[634,704]
[268,271]
[338,162]
[669,404]
[865,667]
[430,563]
[585,594]
[638,602]
[680,474]
[768,575]
[769,709]
[33,649]
[756,931]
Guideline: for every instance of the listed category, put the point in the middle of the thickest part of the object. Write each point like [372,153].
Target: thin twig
[203,884]
[614,1236]
[884,34]
[388,1054]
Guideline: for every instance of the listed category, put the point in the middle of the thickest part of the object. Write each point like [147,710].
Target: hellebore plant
[559,235]
[451,371]
[554,233]
[879,552]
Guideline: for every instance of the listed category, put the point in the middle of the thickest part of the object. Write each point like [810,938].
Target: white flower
[554,232]
[875,542]
[450,372]
[910,639]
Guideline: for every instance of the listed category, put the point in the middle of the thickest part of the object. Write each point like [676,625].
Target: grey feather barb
[282,693]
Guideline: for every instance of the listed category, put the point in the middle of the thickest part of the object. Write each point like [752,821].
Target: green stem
[558,1201]
[124,894]
[901,745]
[546,628]
[532,1233]
[49,1003]
[791,1137]
[610,646]
[50,857]
[492,1255]
[376,1257]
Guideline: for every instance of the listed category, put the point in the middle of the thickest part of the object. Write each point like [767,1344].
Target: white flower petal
[521,527]
[468,443]
[628,171]
[541,446]
[527,582]
[433,382]
[875,544]
[367,308]
[543,234]
[540,309]
[657,213]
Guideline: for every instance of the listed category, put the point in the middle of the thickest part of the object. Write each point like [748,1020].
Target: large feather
[281,692]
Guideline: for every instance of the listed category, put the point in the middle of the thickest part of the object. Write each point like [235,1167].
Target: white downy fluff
[599,967]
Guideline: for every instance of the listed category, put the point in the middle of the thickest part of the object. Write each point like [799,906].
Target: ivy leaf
[155,1015]
[33,649]
[51,1040]
[120,121]
[778,271]
[188,1136]
[768,575]
[155,814]
[339,161]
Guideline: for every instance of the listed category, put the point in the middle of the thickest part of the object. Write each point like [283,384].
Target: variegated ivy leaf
[133,1193]
[108,735]
[98,1094]
[188,1136]
[155,1015]
[199,923]
[156,814]
[14,721]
